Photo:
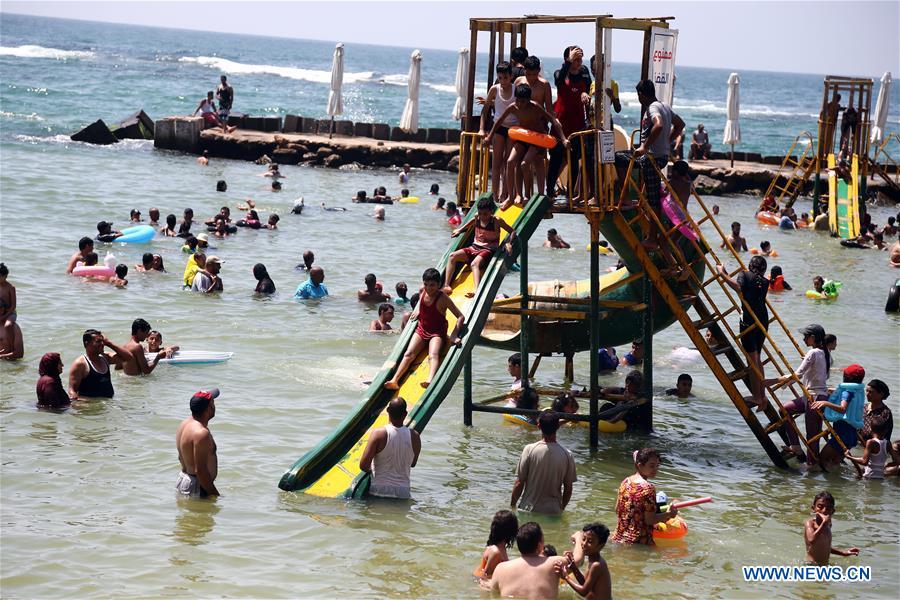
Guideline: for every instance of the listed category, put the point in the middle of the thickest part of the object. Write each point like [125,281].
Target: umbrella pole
[732,156]
[331,129]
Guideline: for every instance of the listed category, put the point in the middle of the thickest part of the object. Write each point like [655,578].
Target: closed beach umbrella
[733,102]
[409,121]
[462,83]
[335,102]
[881,109]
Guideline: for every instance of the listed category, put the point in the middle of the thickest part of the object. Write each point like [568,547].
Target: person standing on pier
[225,96]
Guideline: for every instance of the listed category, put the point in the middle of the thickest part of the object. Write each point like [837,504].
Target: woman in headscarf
[50,390]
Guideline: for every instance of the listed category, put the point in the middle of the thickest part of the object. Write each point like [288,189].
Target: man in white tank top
[390,453]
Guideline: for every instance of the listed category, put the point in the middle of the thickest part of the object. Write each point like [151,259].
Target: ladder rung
[704,323]
[781,384]
[779,423]
[818,436]
[739,374]
[746,331]
[717,350]
[631,222]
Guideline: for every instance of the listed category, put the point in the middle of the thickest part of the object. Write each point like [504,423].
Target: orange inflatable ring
[773,253]
[769,218]
[541,140]
[673,529]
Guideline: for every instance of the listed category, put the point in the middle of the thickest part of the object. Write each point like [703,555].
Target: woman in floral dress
[636,502]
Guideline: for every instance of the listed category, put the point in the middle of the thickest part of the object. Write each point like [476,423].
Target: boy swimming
[385,316]
[817,533]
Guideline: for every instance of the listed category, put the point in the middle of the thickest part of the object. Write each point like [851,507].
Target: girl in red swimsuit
[431,329]
[487,240]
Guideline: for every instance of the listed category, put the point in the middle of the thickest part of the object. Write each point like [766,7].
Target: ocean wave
[30,51]
[62,138]
[11,115]
[312,75]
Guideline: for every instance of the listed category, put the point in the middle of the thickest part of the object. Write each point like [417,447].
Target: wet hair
[504,527]
[818,278]
[518,55]
[568,52]
[134,212]
[523,92]
[260,272]
[891,220]
[735,224]
[404,192]
[121,271]
[189,211]
[681,167]
[880,387]
[503,68]
[646,87]
[382,191]
[635,377]
[515,359]
[273,218]
[645,454]
[221,186]
[384,307]
[191,241]
[826,496]
[758,265]
[139,325]
[830,338]
[413,300]
[486,204]
[88,336]
[529,537]
[562,401]
[765,244]
[600,531]
[401,285]
[550,233]
[532,63]
[549,550]
[85,242]
[4,270]
[147,259]
[548,422]
[370,279]
[361,194]
[276,185]
[103,226]
[441,201]
[253,215]
[431,274]
[776,271]
[91,259]
[684,377]
[451,207]
[171,220]
[528,399]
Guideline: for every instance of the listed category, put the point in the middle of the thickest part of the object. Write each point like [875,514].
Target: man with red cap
[197,448]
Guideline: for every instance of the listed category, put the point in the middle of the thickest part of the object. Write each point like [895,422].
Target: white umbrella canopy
[409,121]
[335,101]
[881,109]
[733,102]
[462,84]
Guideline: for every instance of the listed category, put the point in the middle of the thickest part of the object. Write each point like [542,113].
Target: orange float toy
[769,218]
[541,140]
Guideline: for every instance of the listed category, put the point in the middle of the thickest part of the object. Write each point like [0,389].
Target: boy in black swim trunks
[523,155]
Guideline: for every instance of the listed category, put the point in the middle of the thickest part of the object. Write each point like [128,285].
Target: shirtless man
[533,117]
[374,292]
[85,247]
[197,448]
[89,375]
[554,240]
[137,363]
[530,576]
[739,243]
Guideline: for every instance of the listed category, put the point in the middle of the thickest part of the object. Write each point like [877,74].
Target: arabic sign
[662,64]
[607,147]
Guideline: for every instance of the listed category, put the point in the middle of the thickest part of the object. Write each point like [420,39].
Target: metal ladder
[799,168]
[726,338]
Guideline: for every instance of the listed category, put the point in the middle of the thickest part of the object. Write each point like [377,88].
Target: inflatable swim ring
[673,529]
[677,217]
[769,218]
[136,235]
[541,140]
[773,253]
[893,301]
[601,249]
[192,357]
[603,426]
[409,200]
[94,271]
[454,220]
[830,291]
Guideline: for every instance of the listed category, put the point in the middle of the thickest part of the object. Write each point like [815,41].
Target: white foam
[62,138]
[312,75]
[30,51]
[11,115]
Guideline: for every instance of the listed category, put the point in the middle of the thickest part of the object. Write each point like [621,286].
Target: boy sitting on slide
[531,116]
[487,240]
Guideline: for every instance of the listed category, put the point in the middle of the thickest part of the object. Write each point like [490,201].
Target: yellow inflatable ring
[814,295]
[601,249]
[541,140]
[673,529]
[409,200]
[603,426]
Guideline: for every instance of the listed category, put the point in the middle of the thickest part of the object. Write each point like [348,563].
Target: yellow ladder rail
[799,170]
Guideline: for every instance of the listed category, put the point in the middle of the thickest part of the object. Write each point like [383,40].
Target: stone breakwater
[348,149]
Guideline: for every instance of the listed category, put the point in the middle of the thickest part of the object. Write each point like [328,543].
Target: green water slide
[331,468]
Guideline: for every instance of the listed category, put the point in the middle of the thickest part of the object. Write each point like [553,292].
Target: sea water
[88,501]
